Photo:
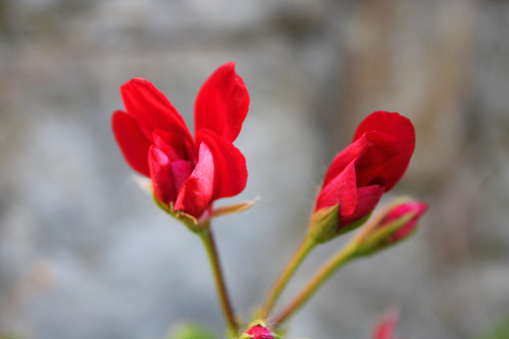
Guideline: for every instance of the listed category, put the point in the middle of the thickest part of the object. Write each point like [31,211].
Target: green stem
[210,246]
[325,272]
[305,247]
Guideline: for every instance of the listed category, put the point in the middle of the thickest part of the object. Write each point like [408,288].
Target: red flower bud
[417,208]
[387,326]
[375,161]
[398,224]
[259,331]
[186,173]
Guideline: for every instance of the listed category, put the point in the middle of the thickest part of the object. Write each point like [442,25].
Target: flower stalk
[210,246]
[394,224]
[341,258]
[305,247]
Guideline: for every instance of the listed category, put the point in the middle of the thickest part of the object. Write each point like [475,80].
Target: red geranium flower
[185,172]
[375,161]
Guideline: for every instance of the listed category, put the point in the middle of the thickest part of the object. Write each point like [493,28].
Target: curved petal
[342,189]
[174,145]
[133,143]
[181,170]
[400,128]
[222,103]
[384,150]
[195,195]
[230,164]
[167,174]
[151,108]
[367,199]
[161,175]
[359,148]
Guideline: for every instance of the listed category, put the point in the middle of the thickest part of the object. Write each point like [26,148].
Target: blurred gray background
[84,253]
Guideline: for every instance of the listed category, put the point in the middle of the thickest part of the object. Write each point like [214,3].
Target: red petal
[174,145]
[151,108]
[162,176]
[260,332]
[230,164]
[195,196]
[222,103]
[342,189]
[397,126]
[367,199]
[181,170]
[360,147]
[385,148]
[133,143]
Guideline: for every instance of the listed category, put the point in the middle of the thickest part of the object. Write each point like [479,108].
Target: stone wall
[85,254]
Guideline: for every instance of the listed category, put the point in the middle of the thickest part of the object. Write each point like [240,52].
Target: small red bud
[399,223]
[387,325]
[416,207]
[258,330]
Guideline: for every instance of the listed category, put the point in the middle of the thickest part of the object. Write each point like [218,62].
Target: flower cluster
[189,173]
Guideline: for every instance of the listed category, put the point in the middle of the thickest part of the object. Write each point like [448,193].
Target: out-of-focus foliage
[191,331]
[501,331]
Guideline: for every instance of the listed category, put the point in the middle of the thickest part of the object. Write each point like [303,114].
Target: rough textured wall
[85,254]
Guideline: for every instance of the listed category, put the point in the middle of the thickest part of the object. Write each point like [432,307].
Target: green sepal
[246,336]
[356,224]
[191,222]
[161,205]
[324,224]
[234,208]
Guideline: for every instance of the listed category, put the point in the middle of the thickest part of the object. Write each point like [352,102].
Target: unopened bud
[387,325]
[399,223]
[258,330]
